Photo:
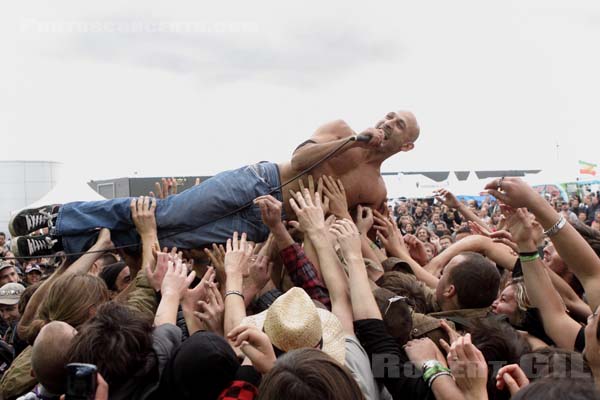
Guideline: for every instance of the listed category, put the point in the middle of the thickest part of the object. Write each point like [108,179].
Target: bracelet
[528,253]
[525,258]
[430,368]
[556,227]
[236,292]
[434,377]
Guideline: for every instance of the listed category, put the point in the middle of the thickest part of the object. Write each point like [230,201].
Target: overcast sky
[193,88]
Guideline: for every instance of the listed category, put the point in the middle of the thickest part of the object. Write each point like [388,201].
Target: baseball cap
[32,268]
[5,265]
[11,293]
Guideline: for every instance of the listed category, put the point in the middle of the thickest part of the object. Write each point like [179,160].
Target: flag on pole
[586,168]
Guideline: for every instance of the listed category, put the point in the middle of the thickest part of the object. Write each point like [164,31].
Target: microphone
[363,138]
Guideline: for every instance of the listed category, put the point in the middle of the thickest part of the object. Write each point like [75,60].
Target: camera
[81,381]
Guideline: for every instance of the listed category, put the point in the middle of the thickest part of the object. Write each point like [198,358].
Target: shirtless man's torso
[358,164]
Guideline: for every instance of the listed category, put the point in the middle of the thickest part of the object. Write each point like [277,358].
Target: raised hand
[511,377]
[155,276]
[256,345]
[270,211]
[309,212]
[176,280]
[421,350]
[520,226]
[416,249]
[168,187]
[348,237]
[389,234]
[335,192]
[142,214]
[259,272]
[468,366]
[447,197]
[364,219]
[192,296]
[237,255]
[514,192]
[211,310]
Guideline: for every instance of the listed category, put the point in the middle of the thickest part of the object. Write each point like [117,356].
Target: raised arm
[573,249]
[307,207]
[561,328]
[326,139]
[446,197]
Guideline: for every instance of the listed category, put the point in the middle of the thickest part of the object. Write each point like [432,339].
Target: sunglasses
[395,299]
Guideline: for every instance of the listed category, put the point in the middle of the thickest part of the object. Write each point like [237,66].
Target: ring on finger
[500,183]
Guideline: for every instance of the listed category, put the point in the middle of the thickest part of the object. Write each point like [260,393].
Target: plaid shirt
[239,390]
[304,274]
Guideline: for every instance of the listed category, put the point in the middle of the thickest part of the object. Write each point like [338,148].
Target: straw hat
[294,322]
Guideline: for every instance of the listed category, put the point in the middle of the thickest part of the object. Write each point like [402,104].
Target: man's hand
[309,212]
[469,367]
[142,213]
[421,350]
[237,255]
[446,197]
[520,226]
[212,310]
[103,242]
[169,187]
[155,276]
[270,211]
[511,377]
[364,219]
[389,235]
[377,137]
[416,248]
[194,295]
[514,192]
[259,273]
[338,203]
[256,345]
[176,280]
[348,237]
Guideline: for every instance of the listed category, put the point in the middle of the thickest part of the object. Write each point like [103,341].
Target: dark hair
[118,340]
[308,374]
[559,388]
[110,273]
[476,280]
[406,285]
[499,343]
[2,234]
[398,318]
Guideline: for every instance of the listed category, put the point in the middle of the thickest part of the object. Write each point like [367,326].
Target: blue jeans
[190,219]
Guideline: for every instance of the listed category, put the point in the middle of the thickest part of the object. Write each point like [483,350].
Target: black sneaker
[33,219]
[32,246]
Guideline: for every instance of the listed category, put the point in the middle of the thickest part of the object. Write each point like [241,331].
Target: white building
[22,183]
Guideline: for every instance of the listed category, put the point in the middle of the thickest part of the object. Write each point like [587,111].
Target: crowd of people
[315,294]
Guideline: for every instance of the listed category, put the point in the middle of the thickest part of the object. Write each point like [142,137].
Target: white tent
[70,187]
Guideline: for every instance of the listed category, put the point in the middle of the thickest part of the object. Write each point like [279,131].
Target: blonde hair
[70,300]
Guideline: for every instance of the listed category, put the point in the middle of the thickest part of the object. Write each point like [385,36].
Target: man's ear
[407,147]
[31,373]
[449,292]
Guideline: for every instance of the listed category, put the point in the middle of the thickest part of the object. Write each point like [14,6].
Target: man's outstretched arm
[326,139]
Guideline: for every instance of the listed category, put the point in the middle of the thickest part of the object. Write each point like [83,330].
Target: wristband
[556,227]
[531,258]
[236,292]
[431,368]
[434,377]
[528,253]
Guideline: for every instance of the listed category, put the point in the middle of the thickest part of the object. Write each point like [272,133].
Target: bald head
[49,355]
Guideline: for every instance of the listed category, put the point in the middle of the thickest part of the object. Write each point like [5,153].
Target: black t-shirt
[580,340]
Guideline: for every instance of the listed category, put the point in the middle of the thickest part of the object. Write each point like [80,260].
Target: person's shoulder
[335,129]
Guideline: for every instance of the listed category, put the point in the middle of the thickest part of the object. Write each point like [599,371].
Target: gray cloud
[297,55]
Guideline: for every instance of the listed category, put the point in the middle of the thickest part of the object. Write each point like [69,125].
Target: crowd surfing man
[210,212]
